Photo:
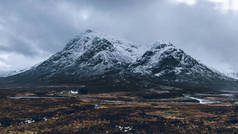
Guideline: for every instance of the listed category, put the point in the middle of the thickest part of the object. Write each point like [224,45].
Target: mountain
[4,73]
[90,57]
[11,72]
[99,61]
[232,75]
[169,65]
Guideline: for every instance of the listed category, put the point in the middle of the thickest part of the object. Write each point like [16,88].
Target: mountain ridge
[98,60]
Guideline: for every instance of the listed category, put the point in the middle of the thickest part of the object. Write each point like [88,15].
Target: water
[216,95]
[36,97]
[201,101]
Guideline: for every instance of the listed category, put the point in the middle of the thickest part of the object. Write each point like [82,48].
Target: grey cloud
[200,30]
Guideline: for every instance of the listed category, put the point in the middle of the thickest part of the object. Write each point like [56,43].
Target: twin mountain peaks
[99,61]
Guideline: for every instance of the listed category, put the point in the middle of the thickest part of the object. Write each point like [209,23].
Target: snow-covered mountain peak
[159,51]
[89,31]
[96,59]
[100,42]
[92,52]
[162,45]
[163,49]
[165,59]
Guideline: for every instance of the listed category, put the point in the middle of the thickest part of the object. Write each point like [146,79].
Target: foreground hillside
[60,111]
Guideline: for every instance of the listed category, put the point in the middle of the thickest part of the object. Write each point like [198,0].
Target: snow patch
[29,121]
[124,129]
[233,75]
[73,92]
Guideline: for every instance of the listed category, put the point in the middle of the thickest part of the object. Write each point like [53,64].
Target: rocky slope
[100,61]
[90,57]
[232,75]
[167,64]
[11,72]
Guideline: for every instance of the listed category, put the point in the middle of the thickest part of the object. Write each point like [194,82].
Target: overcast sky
[32,30]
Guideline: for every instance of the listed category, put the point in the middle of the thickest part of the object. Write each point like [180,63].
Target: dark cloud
[40,28]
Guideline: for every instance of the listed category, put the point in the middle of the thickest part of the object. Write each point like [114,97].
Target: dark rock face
[98,60]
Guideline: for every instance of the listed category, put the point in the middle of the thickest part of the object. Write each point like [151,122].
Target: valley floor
[151,112]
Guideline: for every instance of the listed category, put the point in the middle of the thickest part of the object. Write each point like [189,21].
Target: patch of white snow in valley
[124,129]
[29,121]
[45,119]
[73,92]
